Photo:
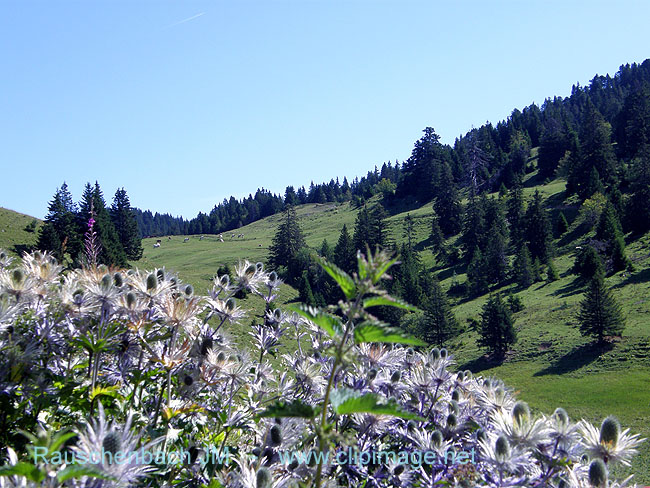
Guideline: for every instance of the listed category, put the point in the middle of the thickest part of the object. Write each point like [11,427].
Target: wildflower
[108,441]
[609,443]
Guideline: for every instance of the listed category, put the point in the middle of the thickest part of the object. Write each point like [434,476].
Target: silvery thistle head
[100,442]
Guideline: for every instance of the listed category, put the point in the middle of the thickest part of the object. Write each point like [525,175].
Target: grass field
[13,236]
[551,365]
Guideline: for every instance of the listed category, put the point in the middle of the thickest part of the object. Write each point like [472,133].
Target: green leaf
[297,408]
[347,401]
[376,331]
[341,277]
[389,302]
[379,272]
[29,471]
[329,323]
[75,471]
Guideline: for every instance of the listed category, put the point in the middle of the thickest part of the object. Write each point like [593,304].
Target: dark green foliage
[609,230]
[537,270]
[447,202]
[440,323]
[561,225]
[497,327]
[497,259]
[587,263]
[523,269]
[600,314]
[593,184]
[551,272]
[474,233]
[515,215]
[286,245]
[477,274]
[344,252]
[515,303]
[93,205]
[538,230]
[594,152]
[304,290]
[553,145]
[637,210]
[59,234]
[370,228]
[125,225]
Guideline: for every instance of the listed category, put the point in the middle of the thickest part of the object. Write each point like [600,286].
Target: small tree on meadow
[497,327]
[600,314]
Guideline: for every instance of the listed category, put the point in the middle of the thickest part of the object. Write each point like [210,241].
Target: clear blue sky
[185,103]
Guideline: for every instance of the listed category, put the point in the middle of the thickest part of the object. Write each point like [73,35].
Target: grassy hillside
[13,234]
[551,365]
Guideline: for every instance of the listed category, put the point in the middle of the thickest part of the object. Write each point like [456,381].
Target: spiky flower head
[598,473]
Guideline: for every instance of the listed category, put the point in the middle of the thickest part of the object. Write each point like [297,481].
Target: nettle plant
[111,363]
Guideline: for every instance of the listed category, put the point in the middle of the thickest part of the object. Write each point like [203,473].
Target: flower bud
[598,473]
[276,435]
[152,282]
[521,412]
[610,430]
[502,447]
[436,437]
[561,416]
[118,279]
[263,478]
[395,377]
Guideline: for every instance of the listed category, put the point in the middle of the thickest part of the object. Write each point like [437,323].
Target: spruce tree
[344,252]
[496,257]
[538,230]
[600,314]
[440,323]
[637,210]
[609,230]
[126,226]
[587,263]
[561,225]
[477,274]
[497,327]
[523,270]
[515,216]
[286,245]
[59,233]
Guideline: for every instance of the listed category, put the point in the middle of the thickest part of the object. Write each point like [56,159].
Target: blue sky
[185,103]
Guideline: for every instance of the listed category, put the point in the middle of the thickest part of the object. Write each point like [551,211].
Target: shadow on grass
[569,289]
[576,359]
[481,363]
[642,276]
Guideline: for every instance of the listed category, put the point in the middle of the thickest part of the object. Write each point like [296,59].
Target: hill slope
[551,364]
[13,234]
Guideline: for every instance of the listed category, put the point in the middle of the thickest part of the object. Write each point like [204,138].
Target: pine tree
[609,230]
[600,314]
[538,230]
[477,273]
[523,268]
[305,293]
[515,216]
[125,225]
[447,203]
[497,327]
[496,257]
[344,252]
[637,210]
[561,225]
[440,321]
[286,245]
[59,232]
[587,263]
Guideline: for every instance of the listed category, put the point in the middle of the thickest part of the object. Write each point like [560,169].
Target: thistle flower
[226,310]
[609,443]
[102,440]
[249,276]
